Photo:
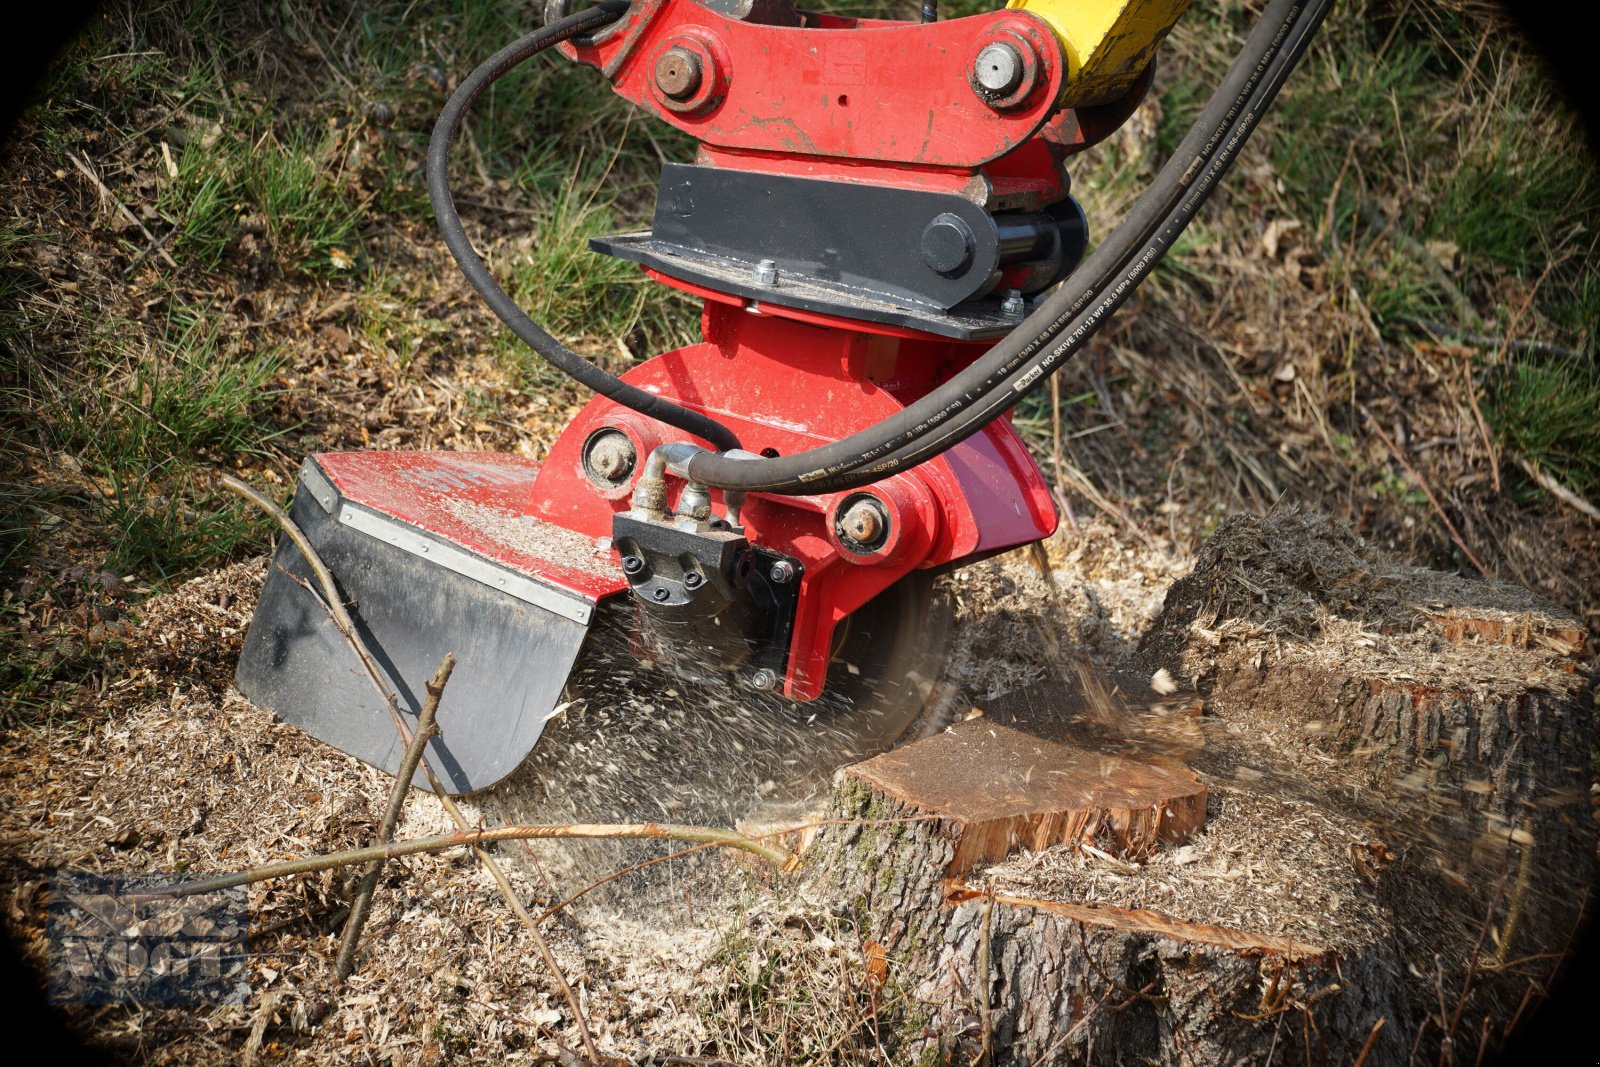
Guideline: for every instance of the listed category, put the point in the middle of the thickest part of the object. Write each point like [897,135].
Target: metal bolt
[608,458]
[763,680]
[660,593]
[998,69]
[1013,305]
[678,73]
[692,580]
[632,564]
[766,272]
[947,244]
[782,572]
[863,523]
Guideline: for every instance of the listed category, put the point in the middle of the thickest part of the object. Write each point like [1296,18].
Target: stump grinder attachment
[879,226]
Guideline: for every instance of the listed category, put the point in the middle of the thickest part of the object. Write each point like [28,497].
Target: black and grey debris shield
[513,656]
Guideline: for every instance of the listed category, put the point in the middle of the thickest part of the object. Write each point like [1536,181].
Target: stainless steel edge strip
[321,490]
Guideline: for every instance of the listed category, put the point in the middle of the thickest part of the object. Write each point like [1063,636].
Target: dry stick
[1372,1038]
[1555,488]
[341,619]
[100,186]
[1416,476]
[361,903]
[475,838]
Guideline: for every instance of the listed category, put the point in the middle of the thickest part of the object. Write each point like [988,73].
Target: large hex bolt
[608,458]
[678,73]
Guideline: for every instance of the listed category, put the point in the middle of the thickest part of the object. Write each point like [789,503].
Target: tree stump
[1372,840]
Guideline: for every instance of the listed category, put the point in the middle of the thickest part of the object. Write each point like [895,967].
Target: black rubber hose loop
[559,355]
[1016,365]
[1023,360]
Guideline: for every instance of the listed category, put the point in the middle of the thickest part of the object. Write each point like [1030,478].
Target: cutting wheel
[637,740]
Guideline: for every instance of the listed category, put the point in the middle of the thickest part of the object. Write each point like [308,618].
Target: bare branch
[361,903]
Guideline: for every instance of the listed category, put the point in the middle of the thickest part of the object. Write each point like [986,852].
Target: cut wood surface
[1002,789]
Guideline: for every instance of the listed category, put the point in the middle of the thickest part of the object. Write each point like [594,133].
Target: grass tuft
[1548,411]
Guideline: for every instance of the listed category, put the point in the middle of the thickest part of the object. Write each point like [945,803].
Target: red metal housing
[788,381]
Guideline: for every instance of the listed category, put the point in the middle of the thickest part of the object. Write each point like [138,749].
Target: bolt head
[632,564]
[678,73]
[864,524]
[947,244]
[692,580]
[763,680]
[998,69]
[660,593]
[782,572]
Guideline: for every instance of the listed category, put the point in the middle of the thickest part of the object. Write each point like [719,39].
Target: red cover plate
[477,500]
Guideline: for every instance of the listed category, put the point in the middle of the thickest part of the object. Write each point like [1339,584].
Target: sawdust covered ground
[182,774]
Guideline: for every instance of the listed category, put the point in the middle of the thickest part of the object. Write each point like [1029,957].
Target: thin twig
[1548,483]
[614,875]
[1372,1038]
[986,1037]
[477,838]
[1416,476]
[334,604]
[156,245]
[1483,425]
[1443,332]
[335,601]
[1518,897]
[100,186]
[361,903]
[1472,963]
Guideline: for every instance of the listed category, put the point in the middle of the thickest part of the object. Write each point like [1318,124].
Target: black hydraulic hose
[559,355]
[1004,374]
[1031,374]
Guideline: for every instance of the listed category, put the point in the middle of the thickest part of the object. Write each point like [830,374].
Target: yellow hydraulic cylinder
[1107,43]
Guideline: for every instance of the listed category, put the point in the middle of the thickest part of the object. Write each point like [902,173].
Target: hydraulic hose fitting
[650,491]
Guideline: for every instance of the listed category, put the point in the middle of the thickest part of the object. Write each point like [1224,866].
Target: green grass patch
[287,195]
[141,425]
[1547,410]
